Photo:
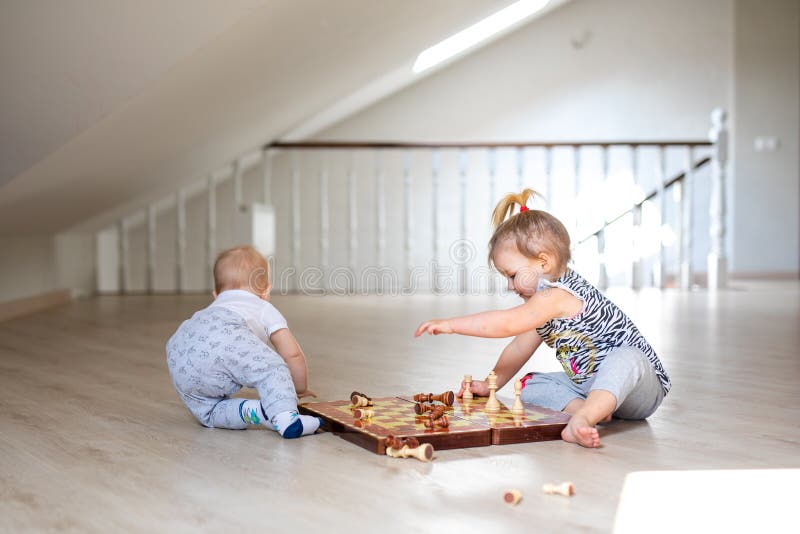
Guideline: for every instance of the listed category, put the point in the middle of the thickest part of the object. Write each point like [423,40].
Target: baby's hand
[479,388]
[435,327]
[306,393]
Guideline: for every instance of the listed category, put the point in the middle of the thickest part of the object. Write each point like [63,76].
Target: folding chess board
[470,424]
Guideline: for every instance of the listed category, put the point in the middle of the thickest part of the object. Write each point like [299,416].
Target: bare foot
[579,431]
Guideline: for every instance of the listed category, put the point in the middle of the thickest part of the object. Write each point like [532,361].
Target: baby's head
[244,268]
[527,245]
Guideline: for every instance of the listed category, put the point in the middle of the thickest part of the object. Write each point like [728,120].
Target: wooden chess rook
[467,395]
[565,488]
[492,405]
[448,397]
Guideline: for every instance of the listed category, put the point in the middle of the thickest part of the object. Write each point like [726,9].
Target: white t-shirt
[263,318]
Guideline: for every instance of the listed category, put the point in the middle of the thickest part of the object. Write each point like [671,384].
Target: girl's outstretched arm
[515,355]
[543,306]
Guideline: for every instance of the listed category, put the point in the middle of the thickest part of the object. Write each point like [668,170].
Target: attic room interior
[460,265]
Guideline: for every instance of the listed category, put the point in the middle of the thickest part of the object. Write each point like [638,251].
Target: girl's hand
[306,393]
[435,327]
[479,388]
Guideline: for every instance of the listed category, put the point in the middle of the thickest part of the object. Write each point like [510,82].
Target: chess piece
[420,408]
[363,414]
[448,397]
[518,407]
[432,422]
[467,395]
[566,489]
[423,452]
[512,496]
[359,399]
[492,405]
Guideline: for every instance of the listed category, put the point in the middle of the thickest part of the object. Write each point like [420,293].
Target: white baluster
[686,220]
[717,260]
[576,159]
[548,176]
[324,216]
[180,240]
[237,189]
[636,213]
[435,218]
[151,248]
[660,272]
[520,157]
[462,262]
[409,222]
[122,232]
[352,207]
[492,162]
[296,207]
[211,230]
[266,176]
[602,278]
[380,211]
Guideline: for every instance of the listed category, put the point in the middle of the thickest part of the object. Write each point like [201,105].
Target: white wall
[27,267]
[766,99]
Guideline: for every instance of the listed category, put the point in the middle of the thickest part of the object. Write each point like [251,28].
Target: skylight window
[477,33]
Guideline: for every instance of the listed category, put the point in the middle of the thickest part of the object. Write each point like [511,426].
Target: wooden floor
[93,438]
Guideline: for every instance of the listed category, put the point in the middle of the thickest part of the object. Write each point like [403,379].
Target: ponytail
[505,208]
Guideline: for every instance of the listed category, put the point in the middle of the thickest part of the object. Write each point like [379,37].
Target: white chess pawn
[492,405]
[518,407]
[467,395]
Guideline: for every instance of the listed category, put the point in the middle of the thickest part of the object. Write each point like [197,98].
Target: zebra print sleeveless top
[583,340]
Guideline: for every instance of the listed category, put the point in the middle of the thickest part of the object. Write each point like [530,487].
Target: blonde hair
[533,231]
[241,267]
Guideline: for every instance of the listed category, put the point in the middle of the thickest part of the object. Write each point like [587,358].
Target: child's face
[523,273]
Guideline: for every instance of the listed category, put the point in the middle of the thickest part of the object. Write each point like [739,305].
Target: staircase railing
[288,178]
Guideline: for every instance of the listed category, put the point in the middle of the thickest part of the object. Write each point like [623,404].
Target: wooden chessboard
[470,425]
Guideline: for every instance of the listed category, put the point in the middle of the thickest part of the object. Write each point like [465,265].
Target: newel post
[717,259]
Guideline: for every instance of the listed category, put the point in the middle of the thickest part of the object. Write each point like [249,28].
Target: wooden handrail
[669,183]
[359,145]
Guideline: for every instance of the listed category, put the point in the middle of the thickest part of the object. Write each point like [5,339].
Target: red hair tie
[523,209]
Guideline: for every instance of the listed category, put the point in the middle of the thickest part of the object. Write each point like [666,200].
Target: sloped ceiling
[104,100]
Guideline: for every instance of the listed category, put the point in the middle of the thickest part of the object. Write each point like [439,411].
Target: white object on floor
[737,500]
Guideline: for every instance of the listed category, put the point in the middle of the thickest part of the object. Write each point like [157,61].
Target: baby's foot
[291,425]
[579,431]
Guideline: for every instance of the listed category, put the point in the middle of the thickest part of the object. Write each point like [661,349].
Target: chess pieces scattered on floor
[565,488]
[518,408]
[408,448]
[492,405]
[512,497]
[467,395]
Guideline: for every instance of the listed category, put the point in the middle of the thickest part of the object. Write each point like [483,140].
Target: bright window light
[480,31]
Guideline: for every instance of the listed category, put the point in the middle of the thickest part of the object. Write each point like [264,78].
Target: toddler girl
[609,368]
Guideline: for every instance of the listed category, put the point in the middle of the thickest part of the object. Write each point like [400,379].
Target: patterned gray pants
[213,355]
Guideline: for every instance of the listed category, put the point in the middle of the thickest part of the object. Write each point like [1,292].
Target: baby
[224,347]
